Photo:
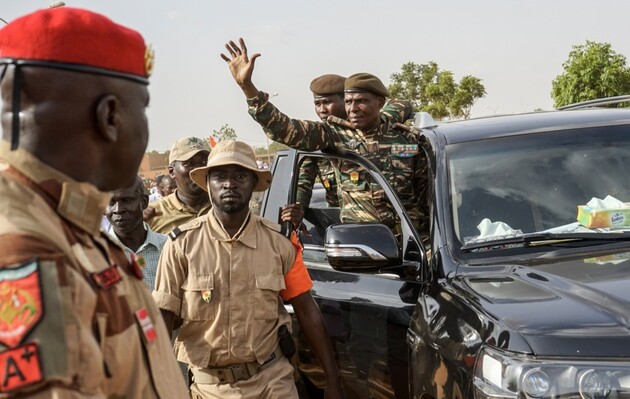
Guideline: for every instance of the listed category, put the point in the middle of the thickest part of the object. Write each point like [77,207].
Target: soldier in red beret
[76,320]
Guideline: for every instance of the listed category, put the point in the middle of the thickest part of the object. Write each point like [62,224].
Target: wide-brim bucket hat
[232,152]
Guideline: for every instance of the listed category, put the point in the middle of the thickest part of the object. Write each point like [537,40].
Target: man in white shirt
[124,212]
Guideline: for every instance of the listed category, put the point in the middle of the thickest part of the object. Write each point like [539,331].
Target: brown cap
[328,84]
[231,152]
[365,82]
[186,148]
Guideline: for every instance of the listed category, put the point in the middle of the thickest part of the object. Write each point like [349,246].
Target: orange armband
[297,280]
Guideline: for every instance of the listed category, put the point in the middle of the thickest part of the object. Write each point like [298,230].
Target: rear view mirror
[361,247]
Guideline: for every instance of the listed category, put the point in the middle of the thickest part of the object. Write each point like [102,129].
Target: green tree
[225,132]
[436,91]
[593,70]
[275,147]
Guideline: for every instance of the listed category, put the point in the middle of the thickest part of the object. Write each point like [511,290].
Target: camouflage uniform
[395,151]
[310,170]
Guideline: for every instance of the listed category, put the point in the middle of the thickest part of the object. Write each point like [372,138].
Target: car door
[367,315]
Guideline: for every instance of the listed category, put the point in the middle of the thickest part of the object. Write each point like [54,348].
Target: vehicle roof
[534,122]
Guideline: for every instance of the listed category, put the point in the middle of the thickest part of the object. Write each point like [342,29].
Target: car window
[535,183]
[339,191]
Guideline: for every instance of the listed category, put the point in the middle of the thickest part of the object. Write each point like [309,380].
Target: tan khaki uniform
[72,325]
[174,214]
[228,292]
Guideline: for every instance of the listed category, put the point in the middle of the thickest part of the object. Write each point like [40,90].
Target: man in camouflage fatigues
[328,100]
[377,137]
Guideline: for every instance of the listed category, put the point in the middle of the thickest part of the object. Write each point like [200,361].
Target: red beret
[72,38]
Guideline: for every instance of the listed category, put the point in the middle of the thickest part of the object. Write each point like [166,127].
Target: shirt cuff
[168,302]
[258,101]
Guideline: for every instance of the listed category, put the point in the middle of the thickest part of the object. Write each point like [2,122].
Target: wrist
[249,89]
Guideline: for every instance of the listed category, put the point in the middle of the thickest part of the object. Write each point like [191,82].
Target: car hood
[561,308]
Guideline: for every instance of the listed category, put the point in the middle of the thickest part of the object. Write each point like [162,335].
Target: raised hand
[241,66]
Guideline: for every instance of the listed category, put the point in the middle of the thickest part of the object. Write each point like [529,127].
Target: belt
[233,372]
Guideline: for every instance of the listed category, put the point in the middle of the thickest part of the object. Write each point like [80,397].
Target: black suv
[509,297]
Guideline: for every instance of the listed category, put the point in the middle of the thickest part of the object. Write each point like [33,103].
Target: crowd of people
[121,280]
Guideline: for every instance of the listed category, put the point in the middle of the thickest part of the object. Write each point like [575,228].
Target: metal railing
[596,103]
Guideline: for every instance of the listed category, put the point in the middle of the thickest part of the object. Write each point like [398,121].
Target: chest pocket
[353,180]
[400,172]
[267,294]
[198,300]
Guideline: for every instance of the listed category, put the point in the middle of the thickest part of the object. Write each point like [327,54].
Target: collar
[245,235]
[335,120]
[180,206]
[80,203]
[152,237]
[174,201]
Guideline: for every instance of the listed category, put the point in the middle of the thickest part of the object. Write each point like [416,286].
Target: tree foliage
[436,91]
[225,132]
[593,70]
[274,147]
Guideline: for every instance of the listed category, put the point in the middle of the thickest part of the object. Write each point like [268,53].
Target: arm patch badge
[20,367]
[21,306]
[21,309]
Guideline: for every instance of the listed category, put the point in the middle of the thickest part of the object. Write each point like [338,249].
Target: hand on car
[292,213]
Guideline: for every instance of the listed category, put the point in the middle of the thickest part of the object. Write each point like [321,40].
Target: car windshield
[534,183]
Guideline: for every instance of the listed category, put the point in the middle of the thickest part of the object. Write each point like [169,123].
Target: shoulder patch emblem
[21,306]
[20,367]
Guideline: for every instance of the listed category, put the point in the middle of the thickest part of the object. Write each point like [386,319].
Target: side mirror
[361,247]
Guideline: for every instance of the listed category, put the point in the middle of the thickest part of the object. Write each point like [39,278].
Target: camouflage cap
[365,82]
[186,148]
[232,152]
[328,84]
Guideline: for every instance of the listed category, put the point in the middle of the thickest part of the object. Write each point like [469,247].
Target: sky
[515,47]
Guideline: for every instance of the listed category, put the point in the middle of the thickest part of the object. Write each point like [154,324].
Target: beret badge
[149,60]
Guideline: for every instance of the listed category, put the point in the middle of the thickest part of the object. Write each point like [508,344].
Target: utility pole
[267,137]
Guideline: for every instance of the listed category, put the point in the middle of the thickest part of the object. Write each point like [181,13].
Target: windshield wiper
[540,239]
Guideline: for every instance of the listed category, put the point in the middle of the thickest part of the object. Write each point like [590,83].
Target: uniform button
[234,244]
